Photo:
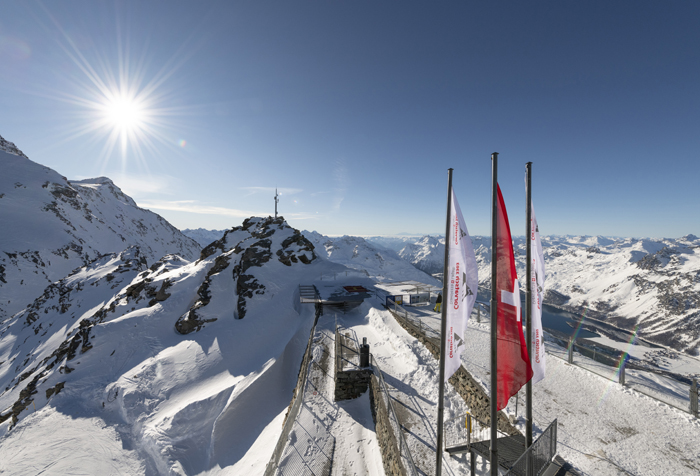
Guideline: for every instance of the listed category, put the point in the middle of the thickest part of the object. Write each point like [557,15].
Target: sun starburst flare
[122,103]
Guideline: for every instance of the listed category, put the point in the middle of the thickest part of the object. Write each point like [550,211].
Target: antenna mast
[276,201]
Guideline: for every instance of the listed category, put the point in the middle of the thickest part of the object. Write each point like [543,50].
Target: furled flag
[462,288]
[514,368]
[537,284]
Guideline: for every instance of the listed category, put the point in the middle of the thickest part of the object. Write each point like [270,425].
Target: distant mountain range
[643,285]
[651,286]
[202,236]
[361,254]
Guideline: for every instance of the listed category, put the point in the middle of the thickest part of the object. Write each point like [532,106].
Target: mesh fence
[408,466]
[294,410]
[309,449]
[538,455]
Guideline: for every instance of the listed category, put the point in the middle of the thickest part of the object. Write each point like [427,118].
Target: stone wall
[469,389]
[385,435]
[353,382]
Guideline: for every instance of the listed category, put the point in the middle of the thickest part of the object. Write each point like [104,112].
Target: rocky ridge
[56,226]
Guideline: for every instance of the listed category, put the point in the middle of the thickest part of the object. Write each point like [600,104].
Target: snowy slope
[52,226]
[203,236]
[186,363]
[152,371]
[357,253]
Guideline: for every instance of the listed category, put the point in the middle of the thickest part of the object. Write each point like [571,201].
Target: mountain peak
[11,148]
[96,181]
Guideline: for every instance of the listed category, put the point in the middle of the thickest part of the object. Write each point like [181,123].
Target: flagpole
[494,314]
[528,298]
[443,330]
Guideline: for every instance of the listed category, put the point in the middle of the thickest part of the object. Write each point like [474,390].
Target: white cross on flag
[514,368]
[462,282]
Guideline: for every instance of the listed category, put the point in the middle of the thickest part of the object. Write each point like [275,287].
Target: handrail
[455,440]
[538,455]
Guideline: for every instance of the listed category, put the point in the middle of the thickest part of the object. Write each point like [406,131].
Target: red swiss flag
[514,369]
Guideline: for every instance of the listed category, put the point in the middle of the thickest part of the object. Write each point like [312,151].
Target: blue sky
[355,110]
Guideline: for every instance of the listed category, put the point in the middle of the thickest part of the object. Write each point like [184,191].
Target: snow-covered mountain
[184,362]
[10,147]
[394,243]
[203,236]
[426,254]
[648,285]
[357,253]
[52,226]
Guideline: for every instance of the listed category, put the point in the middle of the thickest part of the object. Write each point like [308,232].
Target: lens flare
[578,329]
[624,358]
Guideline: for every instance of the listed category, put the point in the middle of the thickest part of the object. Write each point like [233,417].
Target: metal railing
[349,273]
[613,364]
[538,455]
[415,321]
[272,466]
[405,457]
[464,430]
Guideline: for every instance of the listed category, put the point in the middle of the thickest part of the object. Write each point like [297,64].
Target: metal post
[494,314]
[443,331]
[694,398]
[478,313]
[571,349]
[622,371]
[528,326]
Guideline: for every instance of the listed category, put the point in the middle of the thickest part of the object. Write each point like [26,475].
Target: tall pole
[443,329]
[528,298]
[276,200]
[494,314]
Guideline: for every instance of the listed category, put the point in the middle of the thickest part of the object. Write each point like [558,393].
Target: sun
[126,99]
[125,114]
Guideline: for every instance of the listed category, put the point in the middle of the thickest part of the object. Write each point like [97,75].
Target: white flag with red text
[537,295]
[462,283]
